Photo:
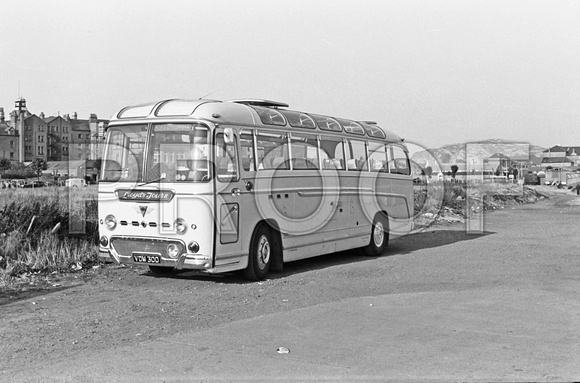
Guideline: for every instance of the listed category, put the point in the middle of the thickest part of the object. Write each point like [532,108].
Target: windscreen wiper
[155,180]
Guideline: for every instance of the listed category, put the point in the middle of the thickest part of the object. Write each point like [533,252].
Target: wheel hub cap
[263,252]
[379,234]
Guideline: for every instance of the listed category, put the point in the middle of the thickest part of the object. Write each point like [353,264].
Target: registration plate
[146,258]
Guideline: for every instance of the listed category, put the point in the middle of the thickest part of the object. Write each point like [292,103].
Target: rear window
[399,163]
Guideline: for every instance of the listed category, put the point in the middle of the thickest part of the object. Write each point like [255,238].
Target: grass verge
[47,229]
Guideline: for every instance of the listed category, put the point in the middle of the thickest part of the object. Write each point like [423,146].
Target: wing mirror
[229,136]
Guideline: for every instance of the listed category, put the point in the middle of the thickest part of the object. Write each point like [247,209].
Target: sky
[434,72]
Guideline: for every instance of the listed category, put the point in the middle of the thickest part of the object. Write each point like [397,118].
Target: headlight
[110,222]
[104,241]
[172,251]
[180,226]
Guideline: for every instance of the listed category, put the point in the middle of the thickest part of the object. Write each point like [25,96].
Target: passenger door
[230,197]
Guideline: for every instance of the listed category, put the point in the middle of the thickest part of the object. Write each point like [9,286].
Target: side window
[331,153]
[272,151]
[304,152]
[225,159]
[378,157]
[399,163]
[247,155]
[356,155]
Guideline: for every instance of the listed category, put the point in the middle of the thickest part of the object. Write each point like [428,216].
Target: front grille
[126,246]
[145,224]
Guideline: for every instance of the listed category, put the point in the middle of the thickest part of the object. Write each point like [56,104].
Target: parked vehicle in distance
[75,182]
[531,179]
[33,184]
[17,183]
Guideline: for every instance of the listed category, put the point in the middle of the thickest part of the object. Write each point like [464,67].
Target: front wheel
[260,256]
[379,236]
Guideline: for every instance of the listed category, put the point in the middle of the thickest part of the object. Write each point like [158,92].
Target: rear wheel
[260,256]
[379,236]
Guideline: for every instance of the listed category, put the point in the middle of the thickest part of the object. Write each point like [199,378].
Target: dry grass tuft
[28,242]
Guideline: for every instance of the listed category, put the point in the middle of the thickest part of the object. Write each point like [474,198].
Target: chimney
[13,118]
[41,115]
[1,114]
[67,117]
[74,116]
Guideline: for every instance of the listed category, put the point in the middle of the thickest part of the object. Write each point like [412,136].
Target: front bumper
[122,249]
[184,261]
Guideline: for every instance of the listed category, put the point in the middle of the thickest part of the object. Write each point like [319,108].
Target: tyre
[379,236]
[260,256]
[161,270]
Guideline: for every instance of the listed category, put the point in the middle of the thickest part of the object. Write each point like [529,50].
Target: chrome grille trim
[124,246]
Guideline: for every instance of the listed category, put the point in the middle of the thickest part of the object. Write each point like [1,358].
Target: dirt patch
[490,197]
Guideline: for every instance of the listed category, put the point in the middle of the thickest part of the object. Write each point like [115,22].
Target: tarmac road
[440,305]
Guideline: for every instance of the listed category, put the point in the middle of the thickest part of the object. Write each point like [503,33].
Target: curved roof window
[374,130]
[270,116]
[351,127]
[136,111]
[177,108]
[299,120]
[327,123]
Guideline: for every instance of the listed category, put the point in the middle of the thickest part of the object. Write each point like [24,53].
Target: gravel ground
[56,316]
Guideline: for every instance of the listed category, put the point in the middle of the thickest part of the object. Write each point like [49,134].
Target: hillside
[448,155]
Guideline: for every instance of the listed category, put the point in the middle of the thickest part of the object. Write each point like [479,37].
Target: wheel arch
[385,215]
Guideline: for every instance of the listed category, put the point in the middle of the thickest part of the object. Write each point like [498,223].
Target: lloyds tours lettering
[144,195]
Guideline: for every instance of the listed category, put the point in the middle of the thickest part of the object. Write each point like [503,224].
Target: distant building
[561,157]
[35,138]
[9,140]
[55,138]
[87,136]
[501,162]
[72,168]
[58,138]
